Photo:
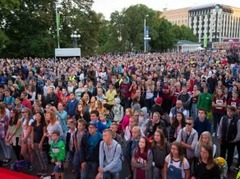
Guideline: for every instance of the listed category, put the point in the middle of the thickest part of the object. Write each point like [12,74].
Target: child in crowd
[70,141]
[116,136]
[106,122]
[77,138]
[57,153]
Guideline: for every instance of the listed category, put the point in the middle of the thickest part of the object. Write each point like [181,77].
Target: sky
[106,7]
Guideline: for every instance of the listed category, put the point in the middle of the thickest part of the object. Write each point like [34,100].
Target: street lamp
[216,25]
[75,37]
[58,5]
[146,37]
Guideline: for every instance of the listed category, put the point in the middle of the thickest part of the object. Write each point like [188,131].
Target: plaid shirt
[3,126]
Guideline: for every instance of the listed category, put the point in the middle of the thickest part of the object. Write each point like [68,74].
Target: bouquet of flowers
[221,162]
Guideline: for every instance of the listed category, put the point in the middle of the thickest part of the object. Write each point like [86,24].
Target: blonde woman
[205,139]
[26,136]
[53,125]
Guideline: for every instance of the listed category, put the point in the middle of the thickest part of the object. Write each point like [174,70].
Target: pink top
[125,122]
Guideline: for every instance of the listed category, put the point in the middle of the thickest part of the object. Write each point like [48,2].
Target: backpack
[20,165]
[121,155]
[117,110]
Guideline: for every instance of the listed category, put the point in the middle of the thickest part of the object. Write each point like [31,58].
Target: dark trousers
[229,149]
[238,150]
[17,149]
[216,119]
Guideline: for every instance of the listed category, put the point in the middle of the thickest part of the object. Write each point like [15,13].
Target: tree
[184,33]
[5,8]
[165,37]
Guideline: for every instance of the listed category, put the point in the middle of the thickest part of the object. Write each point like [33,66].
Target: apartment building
[212,22]
[176,16]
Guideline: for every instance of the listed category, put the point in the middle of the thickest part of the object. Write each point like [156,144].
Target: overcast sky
[106,7]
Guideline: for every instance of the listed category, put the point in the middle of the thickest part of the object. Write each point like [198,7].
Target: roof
[203,6]
[183,42]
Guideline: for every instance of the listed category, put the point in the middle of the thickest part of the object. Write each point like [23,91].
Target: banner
[205,42]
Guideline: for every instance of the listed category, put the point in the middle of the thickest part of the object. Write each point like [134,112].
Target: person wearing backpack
[110,157]
[176,165]
[117,111]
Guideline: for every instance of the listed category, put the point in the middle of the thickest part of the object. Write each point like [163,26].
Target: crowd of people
[160,114]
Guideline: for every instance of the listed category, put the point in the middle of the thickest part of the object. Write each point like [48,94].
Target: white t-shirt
[184,166]
[24,121]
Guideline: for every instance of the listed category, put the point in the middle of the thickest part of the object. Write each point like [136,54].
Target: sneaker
[6,161]
[39,173]
[30,168]
[44,173]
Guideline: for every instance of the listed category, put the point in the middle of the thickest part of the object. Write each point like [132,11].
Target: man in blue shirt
[201,123]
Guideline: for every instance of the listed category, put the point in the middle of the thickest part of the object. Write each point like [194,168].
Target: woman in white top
[26,147]
[205,139]
[176,165]
[53,125]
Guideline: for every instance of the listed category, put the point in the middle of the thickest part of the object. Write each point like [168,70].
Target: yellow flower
[220,161]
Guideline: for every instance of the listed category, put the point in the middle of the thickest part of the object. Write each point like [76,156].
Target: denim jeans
[90,171]
[6,149]
[108,175]
[76,163]
[157,173]
[194,111]
[216,119]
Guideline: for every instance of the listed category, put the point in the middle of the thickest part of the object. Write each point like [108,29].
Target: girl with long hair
[142,160]
[176,165]
[126,117]
[205,139]
[99,106]
[81,113]
[26,139]
[160,149]
[177,125]
[92,103]
[14,133]
[206,168]
[219,105]
[53,125]
[39,141]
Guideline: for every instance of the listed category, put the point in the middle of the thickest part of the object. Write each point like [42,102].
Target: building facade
[215,22]
[210,22]
[176,16]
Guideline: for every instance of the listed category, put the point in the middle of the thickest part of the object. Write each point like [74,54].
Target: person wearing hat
[228,134]
[157,107]
[89,151]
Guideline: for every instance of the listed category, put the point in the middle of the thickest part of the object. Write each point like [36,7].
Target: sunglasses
[188,123]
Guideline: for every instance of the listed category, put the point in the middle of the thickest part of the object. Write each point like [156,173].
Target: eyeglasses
[188,123]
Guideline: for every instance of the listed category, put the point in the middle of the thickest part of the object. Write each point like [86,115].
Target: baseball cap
[94,124]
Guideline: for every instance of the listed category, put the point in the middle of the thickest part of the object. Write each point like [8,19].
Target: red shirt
[27,103]
[233,102]
[220,110]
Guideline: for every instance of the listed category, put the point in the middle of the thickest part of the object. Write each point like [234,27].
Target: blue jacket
[71,107]
[200,127]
